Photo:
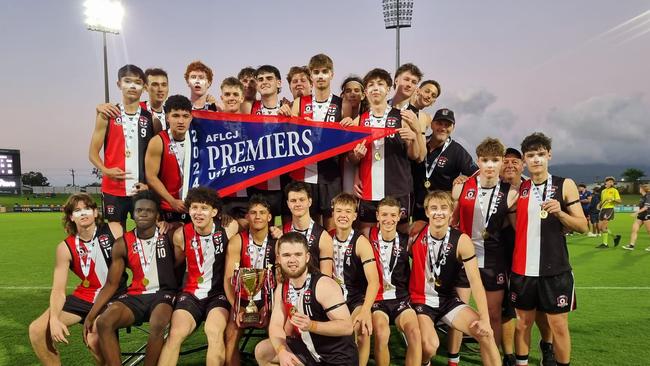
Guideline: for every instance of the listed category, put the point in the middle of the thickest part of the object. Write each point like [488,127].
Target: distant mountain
[590,173]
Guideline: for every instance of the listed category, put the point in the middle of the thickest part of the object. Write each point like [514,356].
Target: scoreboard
[10,174]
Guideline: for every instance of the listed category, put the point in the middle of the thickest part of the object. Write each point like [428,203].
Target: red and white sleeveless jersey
[170,172]
[328,170]
[160,115]
[158,256]
[490,250]
[421,287]
[205,258]
[100,248]
[385,170]
[118,155]
[540,244]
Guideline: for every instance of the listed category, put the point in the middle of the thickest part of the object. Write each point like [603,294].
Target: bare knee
[412,333]
[382,335]
[104,325]
[430,346]
[36,331]
[264,353]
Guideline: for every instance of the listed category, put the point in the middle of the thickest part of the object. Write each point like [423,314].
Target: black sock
[545,345]
[562,364]
[521,360]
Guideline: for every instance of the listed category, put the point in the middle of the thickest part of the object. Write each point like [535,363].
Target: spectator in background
[585,200]
[594,212]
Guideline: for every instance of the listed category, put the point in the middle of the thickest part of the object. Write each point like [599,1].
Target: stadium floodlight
[397,14]
[104,16]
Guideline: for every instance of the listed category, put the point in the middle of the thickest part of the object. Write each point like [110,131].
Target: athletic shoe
[617,239]
[602,246]
[509,360]
[647,249]
[548,356]
[598,235]
[628,247]
[591,235]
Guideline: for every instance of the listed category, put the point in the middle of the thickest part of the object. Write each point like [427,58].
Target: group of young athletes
[399,231]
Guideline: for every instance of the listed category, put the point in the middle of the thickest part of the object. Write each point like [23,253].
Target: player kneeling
[87,253]
[202,244]
[310,323]
[439,254]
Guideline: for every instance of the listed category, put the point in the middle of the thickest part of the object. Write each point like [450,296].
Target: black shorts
[593,216]
[354,302]
[549,294]
[76,306]
[368,210]
[643,216]
[446,312]
[235,207]
[493,280]
[274,198]
[199,309]
[143,305]
[507,307]
[393,308]
[300,350]
[173,216]
[116,208]
[606,214]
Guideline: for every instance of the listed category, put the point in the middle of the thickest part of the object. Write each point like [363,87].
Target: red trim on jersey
[136,287]
[373,236]
[245,258]
[169,174]
[81,292]
[521,237]
[419,255]
[256,108]
[365,166]
[114,157]
[193,269]
[467,204]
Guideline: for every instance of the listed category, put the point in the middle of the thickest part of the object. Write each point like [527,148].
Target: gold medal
[85,283]
[127,153]
[427,184]
[485,234]
[339,281]
[438,283]
[431,279]
[293,310]
[200,279]
[377,156]
[543,214]
[145,281]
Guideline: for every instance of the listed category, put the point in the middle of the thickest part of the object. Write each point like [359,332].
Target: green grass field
[610,325]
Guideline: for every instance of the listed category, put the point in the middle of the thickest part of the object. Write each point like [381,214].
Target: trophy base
[252,320]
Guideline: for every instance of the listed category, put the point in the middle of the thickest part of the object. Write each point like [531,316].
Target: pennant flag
[230,152]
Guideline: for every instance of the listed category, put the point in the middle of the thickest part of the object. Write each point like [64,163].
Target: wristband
[280,349]
[312,326]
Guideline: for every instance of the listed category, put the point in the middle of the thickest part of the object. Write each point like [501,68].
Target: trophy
[248,283]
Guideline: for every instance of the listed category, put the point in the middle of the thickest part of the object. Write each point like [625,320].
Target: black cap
[513,151]
[444,114]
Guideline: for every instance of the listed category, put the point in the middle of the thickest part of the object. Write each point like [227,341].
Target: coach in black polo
[446,159]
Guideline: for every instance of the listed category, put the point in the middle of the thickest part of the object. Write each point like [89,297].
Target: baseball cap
[444,114]
[513,151]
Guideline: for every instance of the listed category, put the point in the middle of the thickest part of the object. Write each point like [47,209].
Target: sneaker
[602,246]
[591,235]
[509,360]
[617,239]
[647,249]
[628,247]
[548,356]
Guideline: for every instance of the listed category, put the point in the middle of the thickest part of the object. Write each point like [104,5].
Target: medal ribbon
[90,254]
[294,295]
[492,203]
[388,264]
[539,196]
[340,255]
[200,251]
[377,122]
[429,169]
[130,133]
[270,111]
[434,262]
[259,253]
[145,263]
[307,233]
[173,145]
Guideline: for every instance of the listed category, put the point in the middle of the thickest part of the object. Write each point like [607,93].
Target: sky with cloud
[577,71]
